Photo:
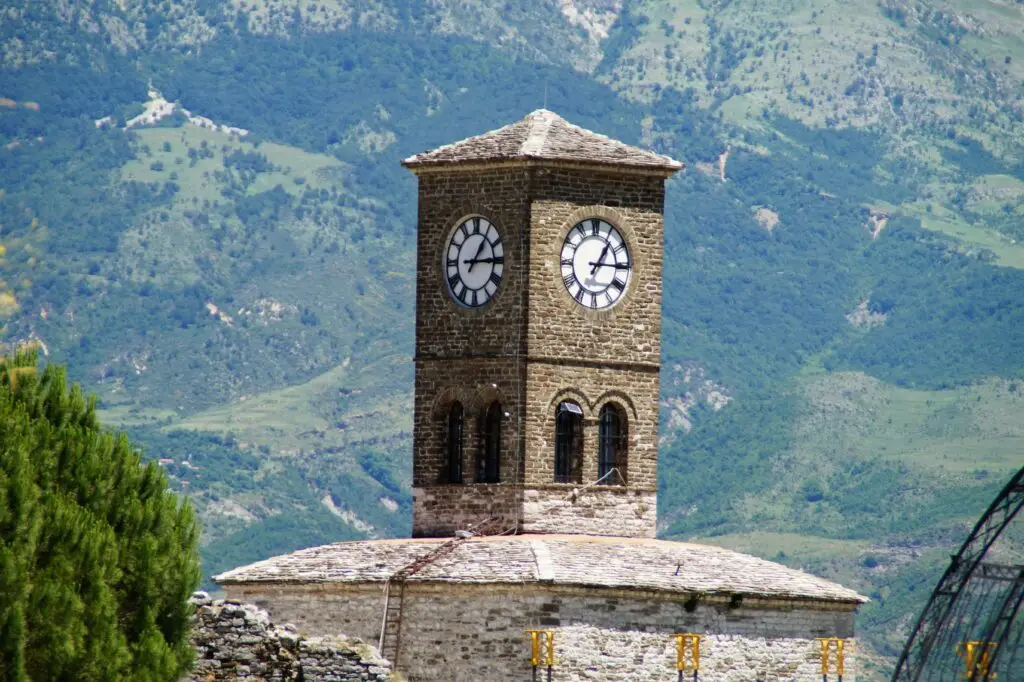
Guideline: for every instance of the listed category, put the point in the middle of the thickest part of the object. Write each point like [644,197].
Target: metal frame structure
[969,630]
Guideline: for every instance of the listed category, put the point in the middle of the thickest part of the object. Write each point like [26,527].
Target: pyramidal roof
[543,135]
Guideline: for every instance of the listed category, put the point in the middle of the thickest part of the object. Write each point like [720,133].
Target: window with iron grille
[568,443]
[453,446]
[490,452]
[612,446]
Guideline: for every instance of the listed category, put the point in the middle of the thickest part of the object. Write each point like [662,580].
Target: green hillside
[844,324]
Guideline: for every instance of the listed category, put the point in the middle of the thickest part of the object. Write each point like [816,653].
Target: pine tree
[97,557]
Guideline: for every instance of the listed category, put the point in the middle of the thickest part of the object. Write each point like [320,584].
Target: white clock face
[474,261]
[595,263]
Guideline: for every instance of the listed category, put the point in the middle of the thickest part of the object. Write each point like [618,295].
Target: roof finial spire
[545,93]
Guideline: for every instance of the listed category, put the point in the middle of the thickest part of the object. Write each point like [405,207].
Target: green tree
[97,557]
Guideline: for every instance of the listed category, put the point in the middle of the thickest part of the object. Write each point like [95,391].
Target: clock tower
[538,321]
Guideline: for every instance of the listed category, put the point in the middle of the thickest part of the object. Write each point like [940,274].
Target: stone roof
[543,135]
[576,560]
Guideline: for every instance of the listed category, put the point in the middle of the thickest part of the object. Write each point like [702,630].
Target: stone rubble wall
[238,642]
[470,633]
[606,510]
[443,509]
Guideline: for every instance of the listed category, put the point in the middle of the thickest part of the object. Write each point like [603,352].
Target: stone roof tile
[579,560]
[543,135]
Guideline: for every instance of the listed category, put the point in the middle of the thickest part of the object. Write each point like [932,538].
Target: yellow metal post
[687,653]
[826,651]
[977,657]
[542,648]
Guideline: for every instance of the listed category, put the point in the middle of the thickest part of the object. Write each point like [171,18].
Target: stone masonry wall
[533,342]
[592,387]
[468,633]
[629,331]
[467,355]
[475,383]
[237,642]
[444,509]
[443,328]
[601,510]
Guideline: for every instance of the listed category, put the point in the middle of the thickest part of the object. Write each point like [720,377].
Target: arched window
[568,443]
[612,439]
[453,444]
[490,452]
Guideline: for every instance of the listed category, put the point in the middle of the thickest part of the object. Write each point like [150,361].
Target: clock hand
[600,259]
[492,259]
[474,260]
[617,266]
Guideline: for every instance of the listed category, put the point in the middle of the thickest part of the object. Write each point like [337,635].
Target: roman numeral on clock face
[595,227]
[569,280]
[618,284]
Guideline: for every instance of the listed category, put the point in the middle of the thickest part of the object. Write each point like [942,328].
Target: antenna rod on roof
[545,93]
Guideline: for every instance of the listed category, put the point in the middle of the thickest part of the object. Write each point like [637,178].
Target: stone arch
[619,397]
[574,395]
[445,397]
[482,396]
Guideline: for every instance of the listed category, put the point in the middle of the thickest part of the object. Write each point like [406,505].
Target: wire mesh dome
[973,626]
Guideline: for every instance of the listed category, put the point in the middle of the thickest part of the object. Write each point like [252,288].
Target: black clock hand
[492,259]
[617,266]
[600,259]
[474,260]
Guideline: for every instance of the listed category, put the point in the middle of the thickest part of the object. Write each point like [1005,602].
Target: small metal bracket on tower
[977,658]
[688,653]
[826,656]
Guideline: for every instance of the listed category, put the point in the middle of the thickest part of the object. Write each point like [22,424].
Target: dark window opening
[612,449]
[453,446]
[490,453]
[568,443]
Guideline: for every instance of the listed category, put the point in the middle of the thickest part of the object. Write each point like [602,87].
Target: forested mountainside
[202,213]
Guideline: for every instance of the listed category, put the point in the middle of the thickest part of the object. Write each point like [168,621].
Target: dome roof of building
[543,135]
[571,560]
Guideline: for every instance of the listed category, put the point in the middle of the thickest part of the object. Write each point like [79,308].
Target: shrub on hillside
[97,557]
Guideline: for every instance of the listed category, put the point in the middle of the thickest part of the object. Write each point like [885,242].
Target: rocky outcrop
[237,642]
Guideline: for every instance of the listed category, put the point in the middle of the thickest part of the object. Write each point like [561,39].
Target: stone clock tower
[538,319]
[538,322]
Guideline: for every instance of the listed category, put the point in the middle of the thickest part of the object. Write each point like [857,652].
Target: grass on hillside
[1007,252]
[166,154]
[336,409]
[853,416]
